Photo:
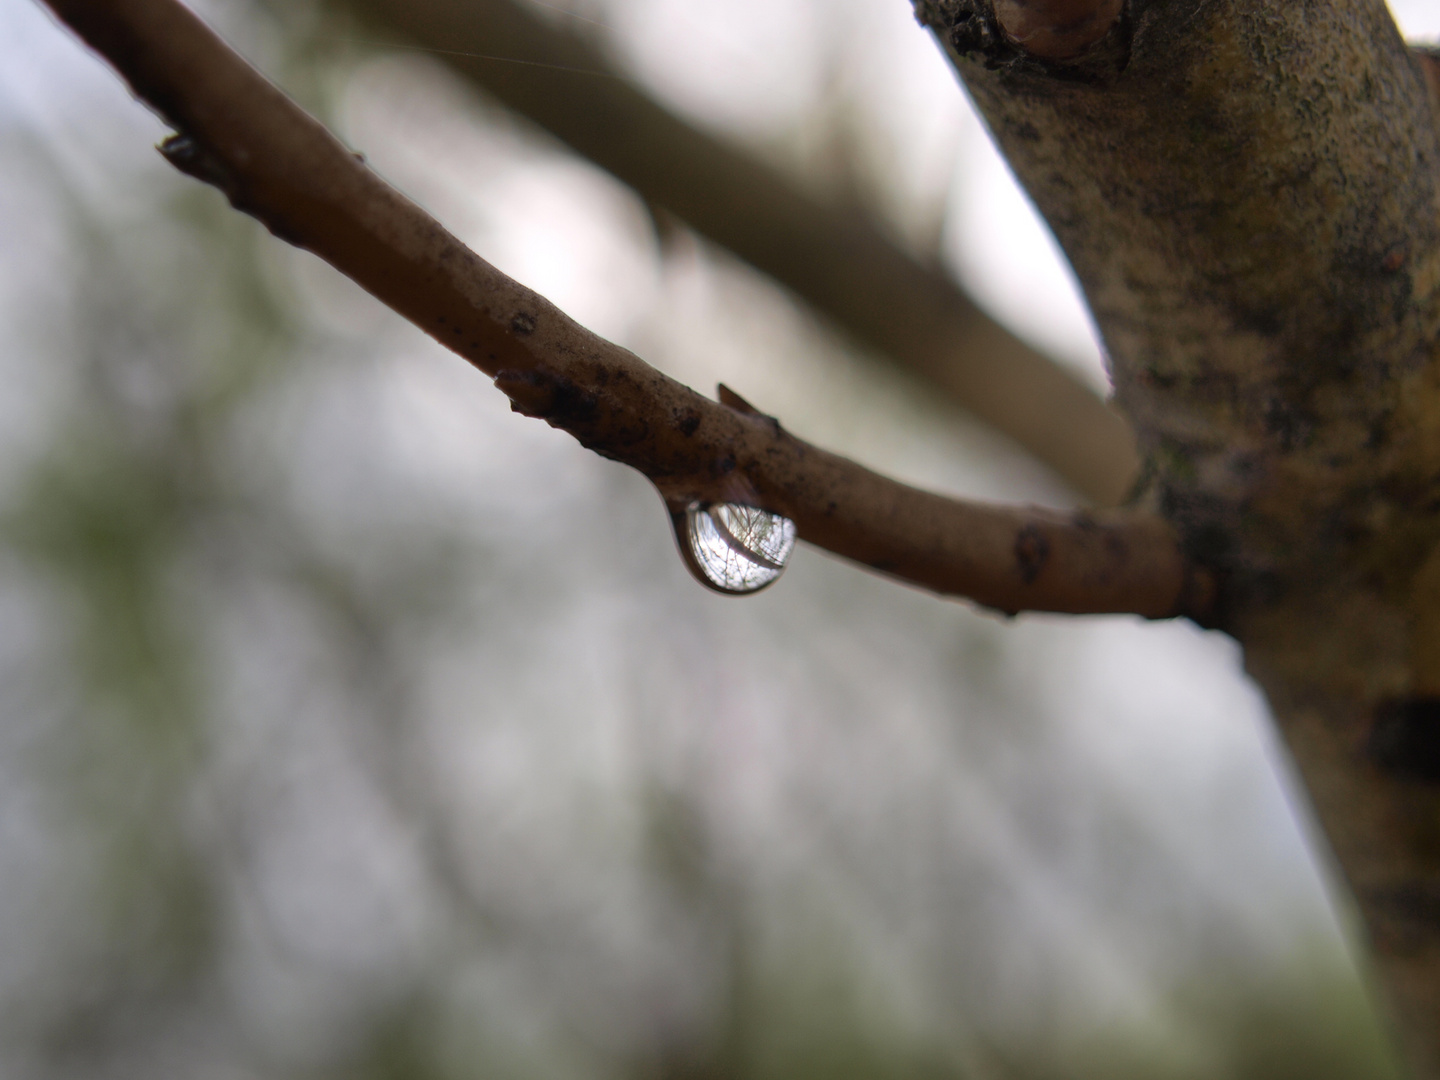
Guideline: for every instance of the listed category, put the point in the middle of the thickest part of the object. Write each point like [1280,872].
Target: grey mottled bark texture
[1247,190]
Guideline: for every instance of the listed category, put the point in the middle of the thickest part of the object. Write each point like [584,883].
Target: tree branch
[837,260]
[1248,192]
[242,134]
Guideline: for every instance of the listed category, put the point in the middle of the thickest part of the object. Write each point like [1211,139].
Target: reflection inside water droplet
[732,548]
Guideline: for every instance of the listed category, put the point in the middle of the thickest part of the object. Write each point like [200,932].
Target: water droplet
[731,548]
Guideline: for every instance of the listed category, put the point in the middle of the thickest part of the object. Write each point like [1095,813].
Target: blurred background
[353,726]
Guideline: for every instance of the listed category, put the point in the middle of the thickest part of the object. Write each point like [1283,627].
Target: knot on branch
[191,158]
[1057,29]
[547,396]
[1405,739]
[1074,40]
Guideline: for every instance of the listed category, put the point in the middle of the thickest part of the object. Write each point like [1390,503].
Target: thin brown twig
[242,134]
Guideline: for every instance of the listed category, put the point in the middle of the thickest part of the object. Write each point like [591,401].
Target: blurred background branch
[239,132]
[838,259]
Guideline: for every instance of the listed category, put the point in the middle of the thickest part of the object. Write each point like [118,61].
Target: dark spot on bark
[458,330]
[1395,258]
[1032,551]
[1026,132]
[689,423]
[1165,381]
[1286,425]
[1116,547]
[1405,738]
[1246,466]
[725,466]
[1218,386]
[1205,522]
[971,33]
[1209,544]
[1204,598]
[1265,321]
[1407,916]
[441,320]
[557,401]
[1404,296]
[830,508]
[1255,587]
[523,323]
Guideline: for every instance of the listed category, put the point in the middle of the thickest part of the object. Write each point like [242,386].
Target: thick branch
[242,134]
[1249,191]
[836,260]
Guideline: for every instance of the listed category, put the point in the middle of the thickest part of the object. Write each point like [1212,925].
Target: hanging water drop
[734,549]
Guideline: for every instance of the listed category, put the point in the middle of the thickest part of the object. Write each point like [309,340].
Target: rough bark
[243,135]
[836,259]
[1248,194]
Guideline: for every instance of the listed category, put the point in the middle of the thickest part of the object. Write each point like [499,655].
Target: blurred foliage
[317,769]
